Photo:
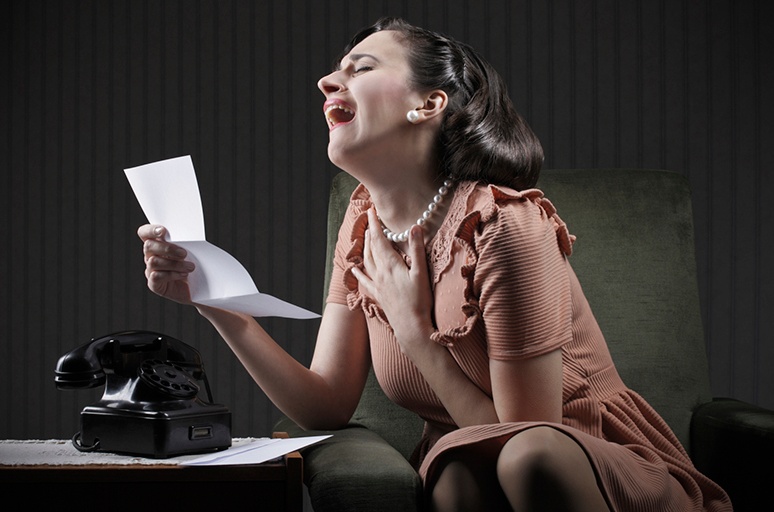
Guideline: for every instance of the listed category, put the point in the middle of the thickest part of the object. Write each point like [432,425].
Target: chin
[340,156]
[334,156]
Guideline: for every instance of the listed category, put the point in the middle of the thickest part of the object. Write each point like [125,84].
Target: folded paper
[256,452]
[168,193]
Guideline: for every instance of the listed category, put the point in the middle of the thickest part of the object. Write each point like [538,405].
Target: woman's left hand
[403,292]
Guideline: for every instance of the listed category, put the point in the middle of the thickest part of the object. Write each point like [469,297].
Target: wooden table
[274,486]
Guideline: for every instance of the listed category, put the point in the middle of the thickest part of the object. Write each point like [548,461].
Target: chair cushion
[357,470]
[398,426]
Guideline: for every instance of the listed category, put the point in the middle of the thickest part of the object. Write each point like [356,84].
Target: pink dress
[504,289]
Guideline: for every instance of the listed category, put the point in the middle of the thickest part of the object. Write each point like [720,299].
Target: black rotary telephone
[151,405]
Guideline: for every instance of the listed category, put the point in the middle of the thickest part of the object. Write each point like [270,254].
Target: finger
[368,258]
[151,231]
[153,247]
[364,282]
[172,285]
[417,253]
[157,263]
[367,246]
[383,253]
[158,279]
[378,239]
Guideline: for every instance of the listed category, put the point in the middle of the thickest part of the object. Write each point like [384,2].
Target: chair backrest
[635,259]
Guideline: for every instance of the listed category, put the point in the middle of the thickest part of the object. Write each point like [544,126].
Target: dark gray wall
[92,87]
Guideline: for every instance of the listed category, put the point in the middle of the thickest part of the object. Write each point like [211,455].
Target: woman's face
[367,99]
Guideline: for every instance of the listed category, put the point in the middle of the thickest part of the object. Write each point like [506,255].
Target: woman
[467,307]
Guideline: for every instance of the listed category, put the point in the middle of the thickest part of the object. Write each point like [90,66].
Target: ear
[434,106]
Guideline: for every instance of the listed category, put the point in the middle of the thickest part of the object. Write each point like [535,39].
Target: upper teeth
[334,107]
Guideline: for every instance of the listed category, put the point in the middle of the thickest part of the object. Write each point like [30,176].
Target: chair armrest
[356,470]
[727,438]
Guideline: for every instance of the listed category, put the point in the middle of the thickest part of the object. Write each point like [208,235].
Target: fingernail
[158,231]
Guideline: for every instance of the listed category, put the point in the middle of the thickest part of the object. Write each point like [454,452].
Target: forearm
[465,402]
[301,394]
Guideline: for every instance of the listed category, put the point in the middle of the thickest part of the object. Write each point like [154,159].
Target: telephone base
[155,434]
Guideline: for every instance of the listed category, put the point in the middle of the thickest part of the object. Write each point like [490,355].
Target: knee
[544,469]
[532,454]
[537,468]
[455,488]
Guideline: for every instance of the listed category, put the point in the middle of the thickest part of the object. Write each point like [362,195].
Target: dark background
[92,87]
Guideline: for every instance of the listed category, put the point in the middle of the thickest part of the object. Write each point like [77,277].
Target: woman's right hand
[166,268]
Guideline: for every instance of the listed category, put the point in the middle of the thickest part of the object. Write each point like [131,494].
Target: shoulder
[493,212]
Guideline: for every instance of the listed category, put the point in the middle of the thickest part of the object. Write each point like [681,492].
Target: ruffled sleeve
[348,244]
[516,272]
[344,288]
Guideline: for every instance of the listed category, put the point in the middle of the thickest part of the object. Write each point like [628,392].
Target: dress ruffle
[458,229]
[360,203]
[488,206]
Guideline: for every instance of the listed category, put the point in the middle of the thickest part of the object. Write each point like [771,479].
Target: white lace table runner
[59,452]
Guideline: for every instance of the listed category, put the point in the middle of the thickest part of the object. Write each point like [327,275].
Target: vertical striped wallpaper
[90,88]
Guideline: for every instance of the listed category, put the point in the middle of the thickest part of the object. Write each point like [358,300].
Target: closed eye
[362,69]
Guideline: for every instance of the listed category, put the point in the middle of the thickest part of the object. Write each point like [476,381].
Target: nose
[330,83]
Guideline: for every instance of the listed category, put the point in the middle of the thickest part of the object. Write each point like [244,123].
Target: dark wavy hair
[482,136]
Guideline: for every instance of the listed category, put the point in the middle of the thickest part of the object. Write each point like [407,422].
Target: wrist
[414,326]
[207,312]
[218,315]
[415,339]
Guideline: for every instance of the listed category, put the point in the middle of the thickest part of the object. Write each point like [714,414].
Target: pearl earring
[412,116]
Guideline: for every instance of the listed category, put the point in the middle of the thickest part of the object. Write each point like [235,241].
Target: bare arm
[323,396]
[528,389]
[465,402]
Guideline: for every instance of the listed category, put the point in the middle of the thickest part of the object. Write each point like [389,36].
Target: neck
[403,207]
[401,182]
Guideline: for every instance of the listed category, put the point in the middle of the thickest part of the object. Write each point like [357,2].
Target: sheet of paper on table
[256,452]
[168,193]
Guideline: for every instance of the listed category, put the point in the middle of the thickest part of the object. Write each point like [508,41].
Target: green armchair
[635,259]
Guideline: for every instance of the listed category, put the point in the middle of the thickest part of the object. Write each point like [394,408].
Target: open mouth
[337,114]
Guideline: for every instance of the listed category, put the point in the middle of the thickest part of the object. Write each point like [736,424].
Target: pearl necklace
[437,199]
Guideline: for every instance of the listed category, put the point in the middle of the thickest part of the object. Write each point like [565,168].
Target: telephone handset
[151,404]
